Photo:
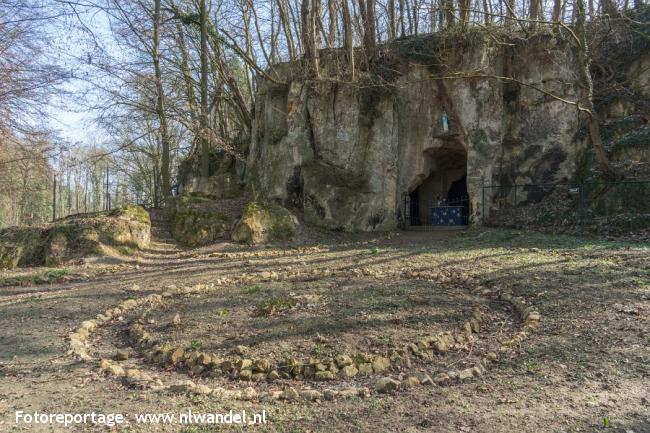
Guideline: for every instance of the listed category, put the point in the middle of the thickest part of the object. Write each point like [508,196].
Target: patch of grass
[196,345]
[46,277]
[126,250]
[606,422]
[274,305]
[531,367]
[251,290]
[197,430]
[384,340]
[51,276]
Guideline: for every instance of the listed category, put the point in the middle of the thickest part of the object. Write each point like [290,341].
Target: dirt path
[587,367]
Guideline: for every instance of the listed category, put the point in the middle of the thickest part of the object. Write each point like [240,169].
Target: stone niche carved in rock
[376,163]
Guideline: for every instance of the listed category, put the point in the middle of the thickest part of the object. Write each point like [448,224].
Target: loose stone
[349,371]
[324,375]
[365,369]
[410,382]
[386,384]
[380,364]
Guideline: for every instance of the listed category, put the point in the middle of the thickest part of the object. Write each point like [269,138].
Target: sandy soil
[587,369]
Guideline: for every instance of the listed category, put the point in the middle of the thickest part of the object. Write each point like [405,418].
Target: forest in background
[168,81]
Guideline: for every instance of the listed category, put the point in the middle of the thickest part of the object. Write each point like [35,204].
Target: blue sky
[69,46]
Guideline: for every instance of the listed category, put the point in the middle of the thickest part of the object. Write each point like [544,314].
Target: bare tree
[160,103]
[308,13]
[584,70]
[203,118]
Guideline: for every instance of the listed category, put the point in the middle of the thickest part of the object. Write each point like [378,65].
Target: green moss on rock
[191,199]
[264,222]
[195,226]
[133,213]
[20,246]
[75,237]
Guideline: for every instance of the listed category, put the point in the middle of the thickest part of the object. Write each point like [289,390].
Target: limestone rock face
[194,227]
[348,155]
[221,185]
[224,182]
[264,222]
[21,246]
[196,222]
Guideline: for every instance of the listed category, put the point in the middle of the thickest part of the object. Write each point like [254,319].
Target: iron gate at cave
[436,212]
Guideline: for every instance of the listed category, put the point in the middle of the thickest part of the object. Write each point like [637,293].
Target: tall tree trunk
[249,51]
[487,12]
[534,12]
[319,34]
[367,12]
[510,12]
[258,31]
[160,106]
[189,83]
[392,23]
[205,138]
[372,25]
[557,10]
[333,23]
[220,65]
[402,21]
[407,12]
[416,17]
[584,68]
[448,17]
[464,12]
[308,15]
[348,37]
[286,27]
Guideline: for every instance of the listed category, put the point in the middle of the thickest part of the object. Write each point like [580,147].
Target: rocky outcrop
[196,221]
[80,236]
[264,222]
[348,153]
[21,246]
[221,185]
[225,180]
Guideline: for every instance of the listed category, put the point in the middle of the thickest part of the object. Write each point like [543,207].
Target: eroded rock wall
[347,153]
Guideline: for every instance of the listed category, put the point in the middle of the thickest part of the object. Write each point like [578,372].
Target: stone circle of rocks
[326,369]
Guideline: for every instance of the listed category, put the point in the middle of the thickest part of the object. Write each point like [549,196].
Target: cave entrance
[440,197]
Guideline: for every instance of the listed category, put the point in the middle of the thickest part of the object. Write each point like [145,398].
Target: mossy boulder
[264,222]
[194,226]
[132,213]
[125,229]
[20,246]
[9,256]
[76,237]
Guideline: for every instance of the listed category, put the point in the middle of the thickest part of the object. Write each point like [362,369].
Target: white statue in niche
[445,121]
